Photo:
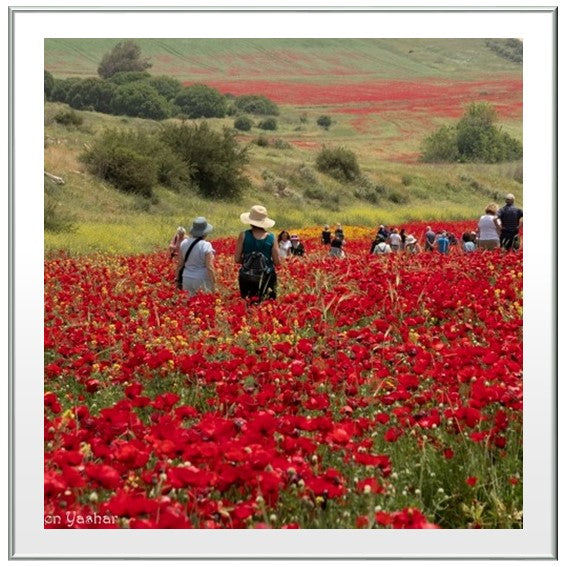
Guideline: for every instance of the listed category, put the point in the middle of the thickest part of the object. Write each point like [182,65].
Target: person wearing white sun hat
[257,239]
[196,258]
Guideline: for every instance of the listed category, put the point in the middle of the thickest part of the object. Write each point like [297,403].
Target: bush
[61,88]
[53,219]
[201,101]
[243,123]
[123,77]
[256,104]
[339,163]
[48,84]
[262,141]
[119,158]
[92,94]
[125,56]
[140,99]
[399,196]
[167,87]
[268,124]
[68,118]
[215,161]
[281,144]
[324,121]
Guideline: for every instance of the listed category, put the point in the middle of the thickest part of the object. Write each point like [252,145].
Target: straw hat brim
[265,223]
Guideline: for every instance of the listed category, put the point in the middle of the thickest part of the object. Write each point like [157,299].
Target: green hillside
[384,130]
[326,60]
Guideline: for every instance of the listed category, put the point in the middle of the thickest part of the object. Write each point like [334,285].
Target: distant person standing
[179,236]
[489,228]
[510,217]
[339,232]
[284,244]
[403,236]
[326,235]
[429,239]
[395,240]
[297,248]
[443,243]
[412,245]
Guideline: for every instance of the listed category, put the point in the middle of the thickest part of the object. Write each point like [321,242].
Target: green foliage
[167,87]
[281,144]
[474,138]
[262,141]
[68,118]
[201,101]
[125,56]
[399,196]
[48,84]
[268,124]
[61,89]
[243,123]
[215,160]
[324,121]
[123,77]
[256,104]
[123,158]
[511,48]
[54,220]
[340,163]
[91,94]
[140,99]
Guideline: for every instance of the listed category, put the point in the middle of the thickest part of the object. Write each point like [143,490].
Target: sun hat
[200,227]
[258,216]
[411,239]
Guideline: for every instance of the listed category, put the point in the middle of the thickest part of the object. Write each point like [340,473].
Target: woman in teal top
[258,239]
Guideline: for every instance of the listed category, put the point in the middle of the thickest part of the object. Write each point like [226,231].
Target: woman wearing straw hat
[258,239]
[196,258]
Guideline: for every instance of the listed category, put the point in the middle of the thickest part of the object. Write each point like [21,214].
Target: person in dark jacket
[510,218]
[297,248]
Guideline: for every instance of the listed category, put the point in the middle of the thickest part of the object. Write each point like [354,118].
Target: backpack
[254,266]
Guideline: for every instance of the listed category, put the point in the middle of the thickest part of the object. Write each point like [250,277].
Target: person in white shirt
[382,248]
[395,240]
[489,229]
[198,266]
[284,244]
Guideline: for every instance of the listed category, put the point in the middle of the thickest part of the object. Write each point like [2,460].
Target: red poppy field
[373,393]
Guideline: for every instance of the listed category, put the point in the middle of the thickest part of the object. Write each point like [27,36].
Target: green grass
[291,59]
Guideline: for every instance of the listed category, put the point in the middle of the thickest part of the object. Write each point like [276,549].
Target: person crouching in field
[297,248]
[196,258]
[179,236]
[257,252]
[336,249]
[412,245]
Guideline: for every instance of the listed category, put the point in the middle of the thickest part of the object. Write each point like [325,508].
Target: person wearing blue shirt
[443,243]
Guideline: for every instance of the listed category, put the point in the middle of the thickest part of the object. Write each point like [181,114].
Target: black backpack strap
[191,248]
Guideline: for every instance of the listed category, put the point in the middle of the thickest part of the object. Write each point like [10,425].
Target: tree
[268,124]
[123,77]
[167,87]
[256,104]
[474,138]
[215,160]
[140,99]
[91,94]
[48,84]
[125,56]
[201,101]
[243,123]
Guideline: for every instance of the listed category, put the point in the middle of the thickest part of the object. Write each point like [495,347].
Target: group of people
[496,228]
[259,252]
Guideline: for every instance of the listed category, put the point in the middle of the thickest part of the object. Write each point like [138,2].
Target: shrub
[92,94]
[243,123]
[123,77]
[140,99]
[48,84]
[54,220]
[262,141]
[61,88]
[281,144]
[441,146]
[119,158]
[215,160]
[399,196]
[167,87]
[324,121]
[201,101]
[339,163]
[125,56]
[256,104]
[268,124]
[68,118]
